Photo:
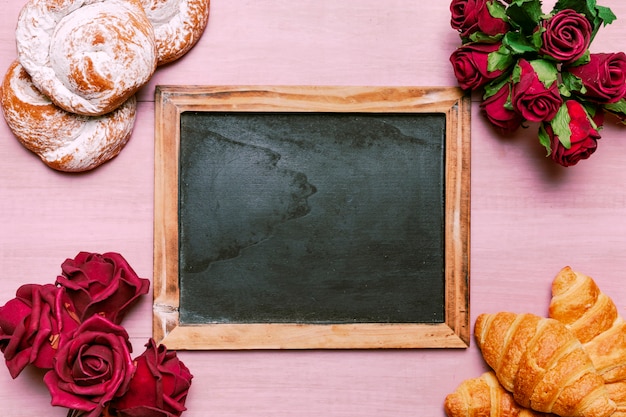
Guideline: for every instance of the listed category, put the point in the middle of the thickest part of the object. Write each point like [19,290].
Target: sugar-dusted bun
[178,24]
[88,56]
[64,141]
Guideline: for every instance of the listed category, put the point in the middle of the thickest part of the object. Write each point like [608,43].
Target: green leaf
[560,126]
[524,14]
[500,59]
[618,108]
[544,138]
[518,43]
[582,60]
[516,74]
[573,83]
[586,7]
[546,71]
[494,86]
[497,10]
[537,39]
[564,91]
[606,15]
[481,37]
[578,5]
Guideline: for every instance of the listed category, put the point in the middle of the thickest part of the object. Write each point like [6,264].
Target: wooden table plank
[529,217]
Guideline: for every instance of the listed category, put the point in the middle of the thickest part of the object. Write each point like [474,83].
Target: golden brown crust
[617,392]
[520,328]
[538,379]
[554,374]
[578,302]
[608,352]
[484,396]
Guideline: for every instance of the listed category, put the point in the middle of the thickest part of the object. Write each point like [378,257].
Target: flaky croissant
[485,397]
[578,302]
[543,364]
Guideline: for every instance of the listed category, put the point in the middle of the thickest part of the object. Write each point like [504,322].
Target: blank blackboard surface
[311,217]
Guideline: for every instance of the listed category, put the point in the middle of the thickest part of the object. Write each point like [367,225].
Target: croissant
[617,393]
[482,397]
[578,302]
[542,364]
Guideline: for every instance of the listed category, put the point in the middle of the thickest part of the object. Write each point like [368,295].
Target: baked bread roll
[64,141]
[178,24]
[580,305]
[485,397]
[578,302]
[617,393]
[88,56]
[543,364]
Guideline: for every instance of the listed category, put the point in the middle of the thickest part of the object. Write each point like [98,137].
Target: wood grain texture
[172,101]
[529,218]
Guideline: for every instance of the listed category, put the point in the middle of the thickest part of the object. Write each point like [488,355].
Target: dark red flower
[159,387]
[31,325]
[603,77]
[503,118]
[583,137]
[531,98]
[470,64]
[101,284]
[470,16]
[566,36]
[91,367]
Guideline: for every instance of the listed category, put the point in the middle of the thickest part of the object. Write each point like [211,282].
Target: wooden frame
[172,101]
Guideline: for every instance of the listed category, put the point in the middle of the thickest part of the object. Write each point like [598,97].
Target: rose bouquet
[72,330]
[537,68]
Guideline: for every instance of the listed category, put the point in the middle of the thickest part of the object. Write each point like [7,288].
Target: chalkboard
[311,217]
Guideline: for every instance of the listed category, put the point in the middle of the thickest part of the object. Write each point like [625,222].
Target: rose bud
[531,97]
[159,387]
[583,135]
[470,16]
[31,324]
[495,109]
[101,284]
[470,63]
[91,368]
[602,77]
[566,36]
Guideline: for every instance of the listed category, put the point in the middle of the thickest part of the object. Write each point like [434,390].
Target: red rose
[101,284]
[31,324]
[531,98]
[603,77]
[470,63]
[91,368]
[159,387]
[583,137]
[470,16]
[566,36]
[493,107]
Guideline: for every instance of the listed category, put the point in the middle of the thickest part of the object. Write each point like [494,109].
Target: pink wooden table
[529,216]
